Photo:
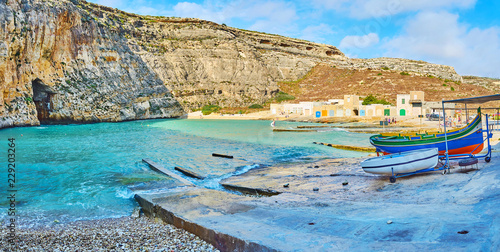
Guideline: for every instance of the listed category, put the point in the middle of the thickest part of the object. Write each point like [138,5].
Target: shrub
[452,89]
[404,73]
[385,68]
[379,74]
[255,106]
[370,99]
[209,109]
[282,96]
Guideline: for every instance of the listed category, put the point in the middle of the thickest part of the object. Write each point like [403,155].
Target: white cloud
[440,38]
[330,4]
[381,8]
[267,16]
[359,41]
[432,33]
[194,10]
[316,33]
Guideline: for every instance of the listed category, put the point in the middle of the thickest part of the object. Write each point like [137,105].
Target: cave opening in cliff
[42,96]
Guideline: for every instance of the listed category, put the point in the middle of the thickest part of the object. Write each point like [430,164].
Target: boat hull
[401,163]
[468,140]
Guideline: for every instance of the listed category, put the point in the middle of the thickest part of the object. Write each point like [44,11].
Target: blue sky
[464,34]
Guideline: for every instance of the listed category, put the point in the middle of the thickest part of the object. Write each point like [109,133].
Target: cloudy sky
[464,34]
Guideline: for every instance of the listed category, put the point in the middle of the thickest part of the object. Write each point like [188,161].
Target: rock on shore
[121,234]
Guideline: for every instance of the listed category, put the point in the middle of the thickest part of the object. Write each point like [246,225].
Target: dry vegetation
[325,82]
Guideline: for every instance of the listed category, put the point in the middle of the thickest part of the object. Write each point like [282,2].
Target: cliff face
[73,61]
[57,64]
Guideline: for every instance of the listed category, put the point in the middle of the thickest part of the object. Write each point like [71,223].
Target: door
[402,112]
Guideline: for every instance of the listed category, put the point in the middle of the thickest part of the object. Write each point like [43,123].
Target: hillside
[328,81]
[71,61]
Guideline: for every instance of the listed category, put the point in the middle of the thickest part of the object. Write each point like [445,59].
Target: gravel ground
[121,234]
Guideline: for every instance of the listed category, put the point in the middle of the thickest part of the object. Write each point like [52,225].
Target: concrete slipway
[317,211]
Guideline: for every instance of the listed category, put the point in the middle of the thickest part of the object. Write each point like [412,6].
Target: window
[403,101]
[414,97]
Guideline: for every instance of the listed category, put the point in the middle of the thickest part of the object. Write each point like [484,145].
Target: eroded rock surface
[73,61]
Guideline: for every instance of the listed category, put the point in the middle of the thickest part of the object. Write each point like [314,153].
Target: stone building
[410,104]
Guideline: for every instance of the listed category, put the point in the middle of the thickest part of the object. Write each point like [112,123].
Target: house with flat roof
[412,104]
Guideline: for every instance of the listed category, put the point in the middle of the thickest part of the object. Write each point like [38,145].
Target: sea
[65,173]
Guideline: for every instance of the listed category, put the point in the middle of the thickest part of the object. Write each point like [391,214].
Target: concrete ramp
[431,212]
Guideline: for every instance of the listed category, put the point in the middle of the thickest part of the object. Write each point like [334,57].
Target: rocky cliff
[73,61]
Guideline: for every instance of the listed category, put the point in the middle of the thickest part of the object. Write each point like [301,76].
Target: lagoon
[90,171]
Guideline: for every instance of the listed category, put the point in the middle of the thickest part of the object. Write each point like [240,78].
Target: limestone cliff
[73,61]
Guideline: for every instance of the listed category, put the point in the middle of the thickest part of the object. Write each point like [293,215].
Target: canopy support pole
[466,114]
[446,165]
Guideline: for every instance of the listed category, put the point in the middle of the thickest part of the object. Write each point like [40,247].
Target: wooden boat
[402,163]
[465,140]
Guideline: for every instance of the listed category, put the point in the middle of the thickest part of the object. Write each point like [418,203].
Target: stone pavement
[332,205]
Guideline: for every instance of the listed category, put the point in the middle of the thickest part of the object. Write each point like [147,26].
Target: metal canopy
[476,100]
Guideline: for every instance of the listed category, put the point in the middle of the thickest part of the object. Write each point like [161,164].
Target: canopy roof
[476,100]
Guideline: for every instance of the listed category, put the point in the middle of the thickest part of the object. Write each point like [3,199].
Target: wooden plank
[348,147]
[294,130]
[221,155]
[163,170]
[189,173]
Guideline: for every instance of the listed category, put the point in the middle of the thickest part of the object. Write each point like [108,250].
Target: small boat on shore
[465,140]
[404,163]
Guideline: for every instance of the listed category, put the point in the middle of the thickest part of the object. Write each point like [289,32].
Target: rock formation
[71,61]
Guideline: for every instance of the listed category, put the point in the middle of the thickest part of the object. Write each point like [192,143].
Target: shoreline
[403,124]
[109,234]
[332,204]
[45,237]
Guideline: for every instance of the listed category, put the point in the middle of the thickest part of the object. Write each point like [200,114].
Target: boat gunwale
[409,162]
[470,129]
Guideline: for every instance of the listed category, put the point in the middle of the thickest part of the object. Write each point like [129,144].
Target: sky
[464,34]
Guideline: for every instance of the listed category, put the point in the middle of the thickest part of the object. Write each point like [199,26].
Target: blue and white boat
[402,163]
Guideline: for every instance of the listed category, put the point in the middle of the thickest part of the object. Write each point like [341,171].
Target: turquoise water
[73,172]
